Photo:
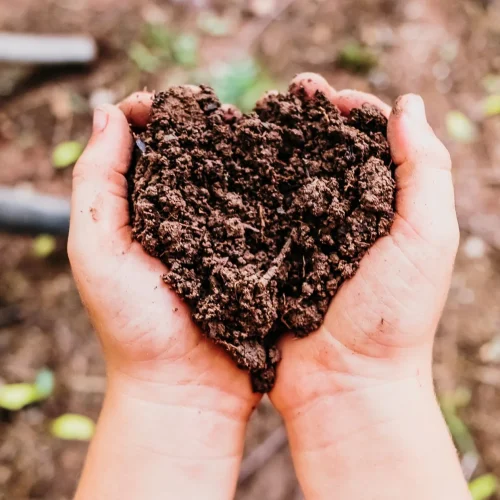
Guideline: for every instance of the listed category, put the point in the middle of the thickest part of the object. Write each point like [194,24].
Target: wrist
[150,447]
[343,415]
[175,387]
[379,439]
[179,420]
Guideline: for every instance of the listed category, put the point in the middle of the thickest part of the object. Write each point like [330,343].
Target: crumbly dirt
[260,218]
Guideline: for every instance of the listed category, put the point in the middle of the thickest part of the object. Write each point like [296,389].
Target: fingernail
[100,120]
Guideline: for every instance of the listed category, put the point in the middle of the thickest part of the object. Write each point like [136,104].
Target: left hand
[158,362]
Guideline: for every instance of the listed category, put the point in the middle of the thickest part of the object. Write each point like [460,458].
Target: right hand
[380,326]
[353,392]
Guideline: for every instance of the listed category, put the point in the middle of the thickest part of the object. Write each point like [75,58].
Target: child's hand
[357,395]
[174,392]
[380,326]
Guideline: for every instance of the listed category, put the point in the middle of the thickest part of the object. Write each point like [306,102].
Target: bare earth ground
[42,322]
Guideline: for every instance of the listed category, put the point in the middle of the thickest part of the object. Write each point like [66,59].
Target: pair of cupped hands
[351,395]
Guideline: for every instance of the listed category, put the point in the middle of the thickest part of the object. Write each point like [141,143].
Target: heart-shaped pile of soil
[260,218]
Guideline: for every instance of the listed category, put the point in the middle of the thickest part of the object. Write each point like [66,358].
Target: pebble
[490,352]
[474,247]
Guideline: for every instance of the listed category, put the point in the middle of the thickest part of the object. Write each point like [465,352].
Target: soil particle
[260,218]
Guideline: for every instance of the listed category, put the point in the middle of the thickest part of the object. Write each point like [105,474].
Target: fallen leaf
[66,154]
[460,127]
[44,245]
[73,427]
[14,397]
[491,105]
[483,487]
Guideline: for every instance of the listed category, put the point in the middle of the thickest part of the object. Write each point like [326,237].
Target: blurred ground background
[446,50]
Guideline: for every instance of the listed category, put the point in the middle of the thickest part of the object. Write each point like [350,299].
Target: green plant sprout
[356,57]
[158,46]
[15,397]
[240,83]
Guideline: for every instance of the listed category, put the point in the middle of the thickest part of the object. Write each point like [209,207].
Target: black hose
[25,212]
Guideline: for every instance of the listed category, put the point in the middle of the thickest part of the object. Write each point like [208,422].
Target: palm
[381,323]
[377,315]
[153,333]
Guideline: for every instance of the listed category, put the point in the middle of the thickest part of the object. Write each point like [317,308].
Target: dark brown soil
[260,218]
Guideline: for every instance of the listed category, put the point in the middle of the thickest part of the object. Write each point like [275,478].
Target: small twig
[261,215]
[250,228]
[276,264]
[260,455]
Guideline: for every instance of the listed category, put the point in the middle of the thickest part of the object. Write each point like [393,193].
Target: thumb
[425,202]
[99,206]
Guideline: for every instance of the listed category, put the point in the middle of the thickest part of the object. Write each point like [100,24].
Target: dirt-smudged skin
[260,218]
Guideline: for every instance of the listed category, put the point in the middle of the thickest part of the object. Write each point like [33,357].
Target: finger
[312,83]
[137,108]
[231,112]
[347,100]
[99,205]
[425,197]
[262,101]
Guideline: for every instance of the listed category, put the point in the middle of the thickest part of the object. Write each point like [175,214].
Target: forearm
[145,449]
[384,443]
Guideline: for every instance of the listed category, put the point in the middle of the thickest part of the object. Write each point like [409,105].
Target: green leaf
[73,427]
[460,433]
[143,58]
[356,57]
[455,400]
[157,36]
[484,487]
[44,384]
[450,404]
[491,105]
[44,245]
[14,397]
[232,81]
[66,154]
[460,128]
[214,25]
[185,50]
[248,100]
